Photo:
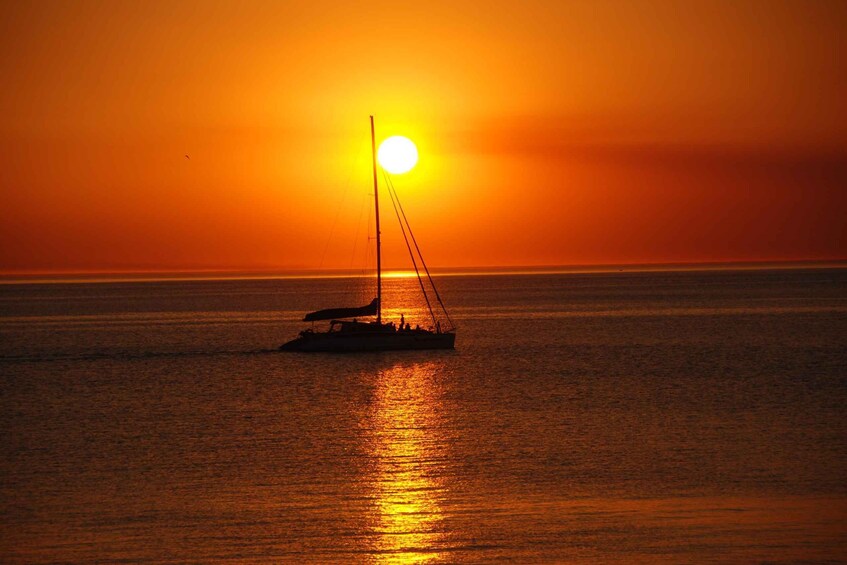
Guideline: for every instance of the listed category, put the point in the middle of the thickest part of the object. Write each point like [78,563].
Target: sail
[335,313]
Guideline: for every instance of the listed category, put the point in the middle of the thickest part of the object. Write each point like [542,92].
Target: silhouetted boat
[345,335]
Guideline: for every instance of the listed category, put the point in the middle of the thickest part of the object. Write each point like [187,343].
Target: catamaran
[346,335]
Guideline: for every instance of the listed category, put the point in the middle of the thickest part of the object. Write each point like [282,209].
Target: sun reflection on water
[408,450]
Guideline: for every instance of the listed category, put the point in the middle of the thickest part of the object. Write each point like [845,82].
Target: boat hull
[342,342]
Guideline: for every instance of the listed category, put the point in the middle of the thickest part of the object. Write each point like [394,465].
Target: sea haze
[679,417]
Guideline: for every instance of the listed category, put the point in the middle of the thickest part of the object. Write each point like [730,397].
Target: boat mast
[378,246]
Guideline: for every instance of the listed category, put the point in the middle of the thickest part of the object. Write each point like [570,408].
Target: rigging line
[426,269]
[358,227]
[423,262]
[340,206]
[363,293]
[368,251]
[393,192]
[408,246]
[414,263]
[395,197]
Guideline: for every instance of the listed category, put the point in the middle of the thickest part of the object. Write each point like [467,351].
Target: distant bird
[187,157]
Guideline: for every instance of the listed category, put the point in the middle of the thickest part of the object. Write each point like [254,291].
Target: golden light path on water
[408,456]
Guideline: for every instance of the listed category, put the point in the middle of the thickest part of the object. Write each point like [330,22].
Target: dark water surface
[682,417]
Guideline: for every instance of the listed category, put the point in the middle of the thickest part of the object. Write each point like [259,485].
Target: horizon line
[139,275]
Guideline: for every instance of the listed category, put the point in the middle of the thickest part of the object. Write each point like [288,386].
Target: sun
[397,154]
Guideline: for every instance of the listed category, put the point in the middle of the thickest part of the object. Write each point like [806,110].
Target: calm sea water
[682,417]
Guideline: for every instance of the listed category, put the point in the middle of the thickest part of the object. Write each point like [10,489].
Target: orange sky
[549,132]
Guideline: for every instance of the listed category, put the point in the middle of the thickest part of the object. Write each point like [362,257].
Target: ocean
[673,417]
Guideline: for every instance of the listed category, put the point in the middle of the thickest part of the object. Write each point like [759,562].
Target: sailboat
[352,335]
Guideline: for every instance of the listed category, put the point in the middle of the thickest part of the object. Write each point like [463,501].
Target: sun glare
[397,154]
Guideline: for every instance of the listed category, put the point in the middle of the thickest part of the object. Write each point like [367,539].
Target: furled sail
[336,313]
